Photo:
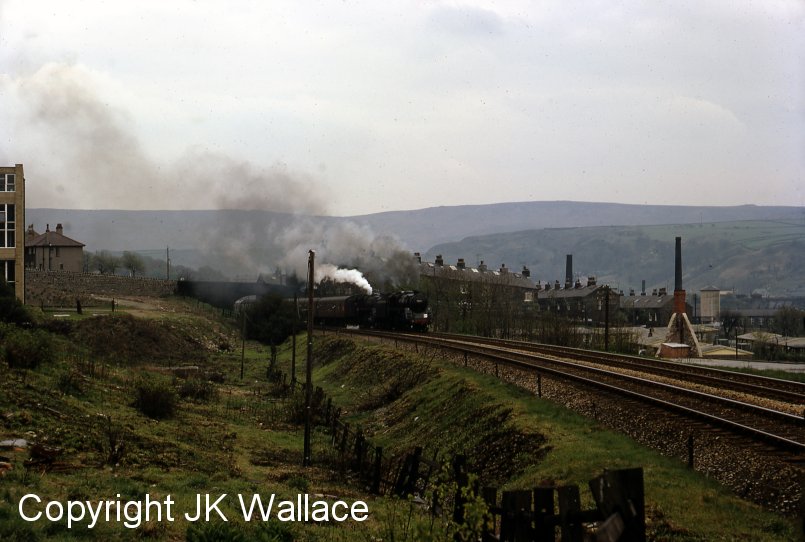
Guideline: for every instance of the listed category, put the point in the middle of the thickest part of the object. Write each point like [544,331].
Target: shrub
[11,309]
[155,399]
[26,349]
[198,390]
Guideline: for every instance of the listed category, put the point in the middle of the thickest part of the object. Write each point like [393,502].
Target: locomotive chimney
[569,272]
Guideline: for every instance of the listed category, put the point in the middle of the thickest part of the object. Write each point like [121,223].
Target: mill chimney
[643,291]
[678,265]
[569,272]
[679,293]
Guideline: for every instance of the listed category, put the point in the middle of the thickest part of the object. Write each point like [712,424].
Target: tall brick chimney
[569,272]
[679,293]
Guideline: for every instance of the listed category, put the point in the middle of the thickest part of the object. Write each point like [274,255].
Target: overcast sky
[343,108]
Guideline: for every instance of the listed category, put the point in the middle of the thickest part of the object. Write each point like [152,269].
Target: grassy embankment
[240,438]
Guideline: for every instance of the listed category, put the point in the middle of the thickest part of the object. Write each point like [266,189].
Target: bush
[154,399]
[26,349]
[11,309]
[198,390]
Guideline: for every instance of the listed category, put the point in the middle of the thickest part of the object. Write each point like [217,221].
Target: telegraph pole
[309,369]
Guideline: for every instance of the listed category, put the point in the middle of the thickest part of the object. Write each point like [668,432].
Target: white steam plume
[337,274]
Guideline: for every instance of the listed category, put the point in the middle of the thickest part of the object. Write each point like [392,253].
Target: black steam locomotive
[404,311]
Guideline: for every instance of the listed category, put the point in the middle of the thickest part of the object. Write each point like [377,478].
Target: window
[8,270]
[7,225]
[7,182]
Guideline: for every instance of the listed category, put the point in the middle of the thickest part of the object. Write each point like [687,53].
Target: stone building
[53,251]
[475,300]
[586,303]
[12,231]
[649,310]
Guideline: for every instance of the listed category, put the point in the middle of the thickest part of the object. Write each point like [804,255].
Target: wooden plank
[515,521]
[569,508]
[544,514]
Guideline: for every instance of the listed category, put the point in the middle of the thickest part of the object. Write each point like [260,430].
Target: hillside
[745,256]
[215,233]
[78,430]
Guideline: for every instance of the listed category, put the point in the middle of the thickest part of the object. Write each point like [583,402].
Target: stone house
[53,251]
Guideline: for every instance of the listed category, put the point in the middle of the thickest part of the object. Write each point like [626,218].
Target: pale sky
[344,108]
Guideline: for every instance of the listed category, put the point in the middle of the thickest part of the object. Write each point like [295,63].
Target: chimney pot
[439,260]
[461,264]
[526,272]
[59,229]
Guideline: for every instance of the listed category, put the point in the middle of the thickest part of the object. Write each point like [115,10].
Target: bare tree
[133,262]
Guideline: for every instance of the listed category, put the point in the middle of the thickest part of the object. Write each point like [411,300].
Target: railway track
[704,396]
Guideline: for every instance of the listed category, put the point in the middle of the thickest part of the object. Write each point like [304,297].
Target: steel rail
[762,386]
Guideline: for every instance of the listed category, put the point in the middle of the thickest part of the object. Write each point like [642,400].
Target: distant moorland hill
[764,256]
[618,242]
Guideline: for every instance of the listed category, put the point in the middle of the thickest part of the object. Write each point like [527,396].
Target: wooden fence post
[690,451]
[377,470]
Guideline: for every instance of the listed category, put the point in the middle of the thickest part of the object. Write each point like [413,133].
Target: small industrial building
[12,220]
[711,305]
[53,251]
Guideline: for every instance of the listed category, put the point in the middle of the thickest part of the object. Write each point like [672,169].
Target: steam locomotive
[403,310]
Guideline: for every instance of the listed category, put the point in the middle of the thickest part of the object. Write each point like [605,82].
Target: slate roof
[53,239]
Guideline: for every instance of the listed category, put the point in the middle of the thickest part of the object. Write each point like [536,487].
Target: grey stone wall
[62,288]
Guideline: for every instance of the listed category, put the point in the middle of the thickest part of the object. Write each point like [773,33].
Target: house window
[8,270]
[7,225]
[7,182]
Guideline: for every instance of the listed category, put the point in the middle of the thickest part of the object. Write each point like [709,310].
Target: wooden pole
[309,368]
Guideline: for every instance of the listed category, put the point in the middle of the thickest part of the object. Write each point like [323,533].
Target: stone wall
[62,288]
